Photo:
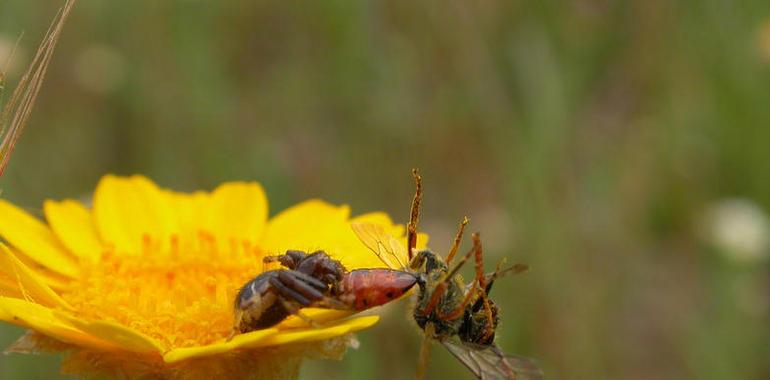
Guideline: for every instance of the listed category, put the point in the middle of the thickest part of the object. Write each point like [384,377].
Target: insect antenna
[458,239]
[514,269]
[500,272]
[414,215]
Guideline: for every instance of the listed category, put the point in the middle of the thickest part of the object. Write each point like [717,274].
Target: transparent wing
[388,249]
[490,363]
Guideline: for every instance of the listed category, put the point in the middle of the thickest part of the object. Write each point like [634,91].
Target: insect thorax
[452,298]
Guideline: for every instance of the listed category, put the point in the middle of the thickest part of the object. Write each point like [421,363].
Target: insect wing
[490,363]
[387,248]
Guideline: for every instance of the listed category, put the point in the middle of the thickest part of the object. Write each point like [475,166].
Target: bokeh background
[621,148]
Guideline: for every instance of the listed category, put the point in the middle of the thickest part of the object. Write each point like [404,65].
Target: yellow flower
[142,284]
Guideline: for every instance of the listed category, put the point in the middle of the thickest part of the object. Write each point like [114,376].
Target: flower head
[739,229]
[143,282]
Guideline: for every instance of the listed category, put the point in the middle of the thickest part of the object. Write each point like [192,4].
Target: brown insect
[461,317]
[355,290]
[313,279]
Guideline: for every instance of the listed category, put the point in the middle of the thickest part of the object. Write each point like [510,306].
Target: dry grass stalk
[15,113]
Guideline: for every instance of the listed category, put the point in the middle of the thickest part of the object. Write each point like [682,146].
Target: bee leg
[331,303]
[460,309]
[460,264]
[438,292]
[287,293]
[304,285]
[427,340]
[294,310]
[481,279]
[320,263]
[289,298]
[491,277]
[236,328]
[414,215]
[232,335]
[442,285]
[458,239]
[311,288]
[291,259]
[476,286]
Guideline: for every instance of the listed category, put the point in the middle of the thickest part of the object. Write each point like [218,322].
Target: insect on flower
[313,279]
[445,307]
[272,296]
[355,290]
[142,285]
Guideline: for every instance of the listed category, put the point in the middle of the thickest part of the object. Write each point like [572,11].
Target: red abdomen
[365,288]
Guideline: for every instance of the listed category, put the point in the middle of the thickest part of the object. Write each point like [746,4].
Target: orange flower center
[178,291]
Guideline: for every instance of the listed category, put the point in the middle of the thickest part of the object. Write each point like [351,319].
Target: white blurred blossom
[739,229]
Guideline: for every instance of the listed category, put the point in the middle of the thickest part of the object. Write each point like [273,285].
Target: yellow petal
[239,341]
[190,211]
[46,321]
[126,210]
[74,226]
[376,217]
[314,314]
[9,287]
[237,211]
[31,236]
[28,283]
[315,334]
[307,226]
[4,315]
[54,280]
[121,336]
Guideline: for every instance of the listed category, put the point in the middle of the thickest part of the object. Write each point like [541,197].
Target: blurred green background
[622,149]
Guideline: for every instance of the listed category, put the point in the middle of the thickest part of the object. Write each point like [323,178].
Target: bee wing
[388,249]
[490,363]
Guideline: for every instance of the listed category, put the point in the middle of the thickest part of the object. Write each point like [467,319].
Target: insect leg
[308,279]
[459,264]
[422,362]
[238,316]
[414,215]
[460,309]
[479,260]
[296,282]
[438,292]
[291,259]
[288,293]
[458,239]
[293,310]
[311,288]
[480,278]
[475,287]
